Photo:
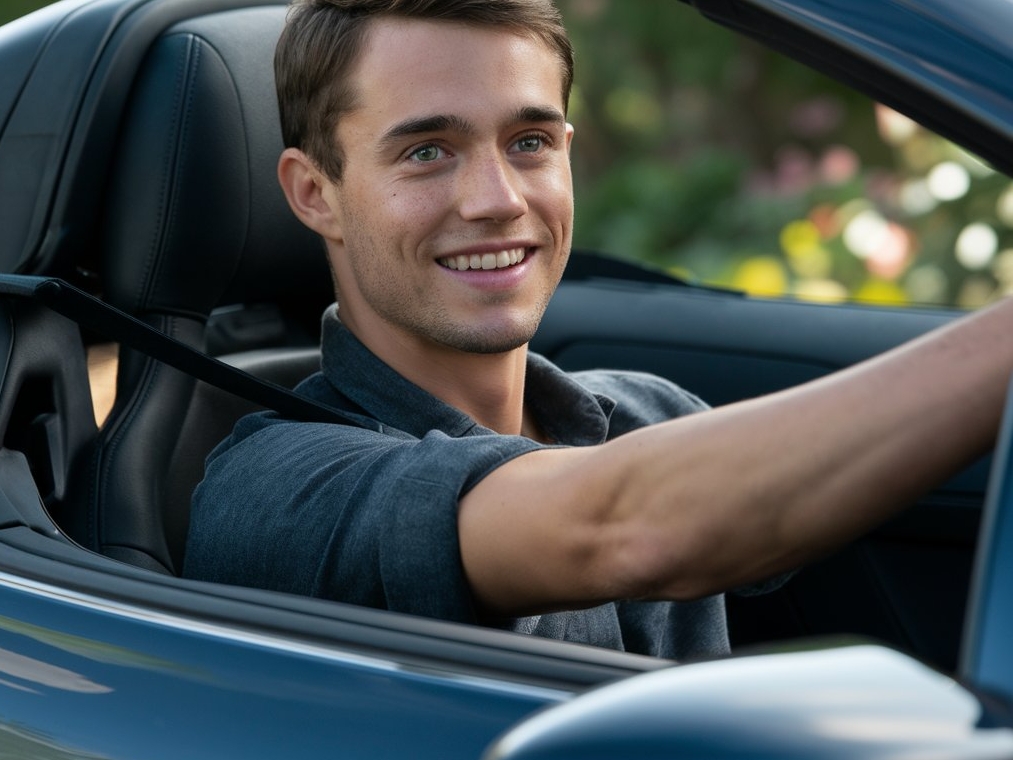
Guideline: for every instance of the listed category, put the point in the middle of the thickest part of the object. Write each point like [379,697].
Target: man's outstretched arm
[720,499]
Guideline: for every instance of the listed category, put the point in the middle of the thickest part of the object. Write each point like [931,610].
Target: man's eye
[530,144]
[425,153]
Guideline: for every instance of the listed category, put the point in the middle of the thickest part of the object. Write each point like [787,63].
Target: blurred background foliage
[11,9]
[706,155]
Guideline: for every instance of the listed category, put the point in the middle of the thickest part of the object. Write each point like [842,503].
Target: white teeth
[499,260]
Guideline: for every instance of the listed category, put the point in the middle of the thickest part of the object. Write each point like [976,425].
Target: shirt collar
[567,412]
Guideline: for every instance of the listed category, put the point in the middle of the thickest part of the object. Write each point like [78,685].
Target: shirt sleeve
[343,513]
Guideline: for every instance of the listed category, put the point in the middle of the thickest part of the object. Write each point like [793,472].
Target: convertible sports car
[137,198]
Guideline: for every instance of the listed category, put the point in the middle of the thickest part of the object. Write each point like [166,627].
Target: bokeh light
[948,181]
[976,245]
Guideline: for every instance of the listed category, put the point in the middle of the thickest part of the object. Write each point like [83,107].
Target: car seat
[198,241]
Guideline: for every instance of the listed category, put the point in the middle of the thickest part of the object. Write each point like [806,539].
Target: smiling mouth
[500,260]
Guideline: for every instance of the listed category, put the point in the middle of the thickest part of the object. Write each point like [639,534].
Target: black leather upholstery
[194,221]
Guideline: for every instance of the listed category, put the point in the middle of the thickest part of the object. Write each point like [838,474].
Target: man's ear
[306,187]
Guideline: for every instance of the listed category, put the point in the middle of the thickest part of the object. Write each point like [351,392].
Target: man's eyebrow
[540,114]
[424,125]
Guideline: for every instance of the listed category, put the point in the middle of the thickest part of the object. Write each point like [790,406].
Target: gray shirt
[367,513]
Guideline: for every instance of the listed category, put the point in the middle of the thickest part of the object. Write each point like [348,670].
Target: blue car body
[102,659]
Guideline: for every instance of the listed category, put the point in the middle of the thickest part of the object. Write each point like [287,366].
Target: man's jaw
[487,261]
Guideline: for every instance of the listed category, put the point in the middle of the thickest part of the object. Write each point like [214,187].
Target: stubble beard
[444,330]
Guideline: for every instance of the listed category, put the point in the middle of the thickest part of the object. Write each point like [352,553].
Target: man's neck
[489,388]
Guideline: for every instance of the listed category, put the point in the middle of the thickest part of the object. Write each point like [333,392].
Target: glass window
[704,154]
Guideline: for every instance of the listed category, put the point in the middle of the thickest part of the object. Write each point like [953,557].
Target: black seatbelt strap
[118,326]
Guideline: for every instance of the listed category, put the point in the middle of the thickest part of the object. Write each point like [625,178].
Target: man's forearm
[771,483]
[727,497]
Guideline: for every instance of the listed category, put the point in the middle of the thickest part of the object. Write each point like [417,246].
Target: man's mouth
[500,260]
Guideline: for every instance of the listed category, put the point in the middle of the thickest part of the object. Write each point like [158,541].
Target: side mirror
[862,701]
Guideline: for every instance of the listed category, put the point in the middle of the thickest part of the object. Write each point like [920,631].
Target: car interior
[150,184]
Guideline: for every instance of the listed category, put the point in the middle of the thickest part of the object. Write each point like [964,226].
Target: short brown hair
[323,39]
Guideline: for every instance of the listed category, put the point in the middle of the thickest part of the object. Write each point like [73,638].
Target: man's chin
[488,342]
[490,346]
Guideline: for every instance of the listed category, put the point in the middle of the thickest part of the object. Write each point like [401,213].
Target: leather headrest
[195,217]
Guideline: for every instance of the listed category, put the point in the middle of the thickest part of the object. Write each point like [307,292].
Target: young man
[429,149]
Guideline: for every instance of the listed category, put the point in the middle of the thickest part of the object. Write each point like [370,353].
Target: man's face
[455,207]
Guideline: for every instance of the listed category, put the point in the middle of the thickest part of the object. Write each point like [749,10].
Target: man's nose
[491,189]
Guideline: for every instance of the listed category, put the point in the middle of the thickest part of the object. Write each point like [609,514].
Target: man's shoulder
[289,441]
[641,394]
[266,448]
